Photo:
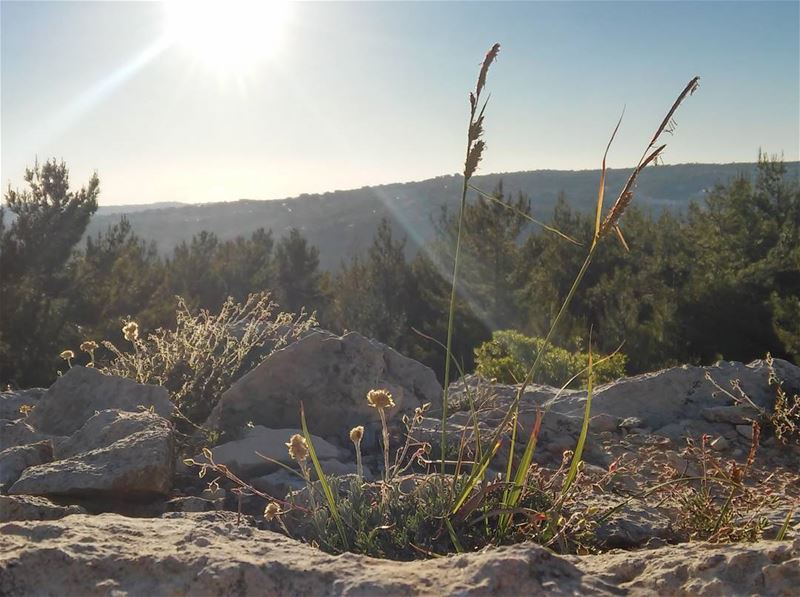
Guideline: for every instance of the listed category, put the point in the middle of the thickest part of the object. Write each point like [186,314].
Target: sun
[229,37]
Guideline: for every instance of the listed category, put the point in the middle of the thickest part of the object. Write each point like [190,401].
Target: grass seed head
[272,511]
[88,346]
[67,355]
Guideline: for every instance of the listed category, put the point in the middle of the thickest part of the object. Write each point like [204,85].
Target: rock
[18,433]
[604,422]
[746,431]
[138,466]
[16,459]
[27,507]
[80,392]
[331,376]
[735,414]
[241,457]
[279,484]
[12,402]
[190,504]
[720,444]
[103,429]
[633,525]
[209,554]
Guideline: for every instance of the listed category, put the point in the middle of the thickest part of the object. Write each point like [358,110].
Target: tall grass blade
[598,213]
[576,457]
[785,526]
[477,474]
[512,497]
[323,481]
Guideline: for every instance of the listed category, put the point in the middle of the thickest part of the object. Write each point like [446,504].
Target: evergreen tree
[34,250]
[298,282]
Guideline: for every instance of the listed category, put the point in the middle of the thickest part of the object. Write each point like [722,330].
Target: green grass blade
[453,536]
[576,457]
[326,488]
[511,498]
[602,190]
[476,475]
[785,526]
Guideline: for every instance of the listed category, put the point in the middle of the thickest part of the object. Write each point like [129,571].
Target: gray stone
[633,525]
[19,433]
[331,376]
[746,431]
[16,459]
[80,392]
[735,414]
[103,429]
[28,507]
[11,402]
[190,504]
[139,466]
[242,456]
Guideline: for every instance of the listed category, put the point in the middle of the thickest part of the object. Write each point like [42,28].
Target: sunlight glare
[231,36]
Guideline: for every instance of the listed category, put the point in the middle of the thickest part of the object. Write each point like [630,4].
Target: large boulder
[242,455]
[19,433]
[138,466]
[28,507]
[103,429]
[330,376]
[16,459]
[81,392]
[208,553]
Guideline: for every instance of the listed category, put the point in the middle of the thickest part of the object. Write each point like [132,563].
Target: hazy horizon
[363,94]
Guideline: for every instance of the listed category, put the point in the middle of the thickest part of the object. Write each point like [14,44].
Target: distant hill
[342,223]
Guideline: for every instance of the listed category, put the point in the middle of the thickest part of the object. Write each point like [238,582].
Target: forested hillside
[341,223]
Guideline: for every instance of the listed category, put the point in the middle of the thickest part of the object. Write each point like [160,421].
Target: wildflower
[380,399]
[67,355]
[131,331]
[272,510]
[356,433]
[298,448]
[89,346]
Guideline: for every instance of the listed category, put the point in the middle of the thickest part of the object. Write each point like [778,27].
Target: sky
[168,103]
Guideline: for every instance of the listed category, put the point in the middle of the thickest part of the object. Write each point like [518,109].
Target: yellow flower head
[67,355]
[356,433]
[298,448]
[380,399]
[131,331]
[272,510]
[88,346]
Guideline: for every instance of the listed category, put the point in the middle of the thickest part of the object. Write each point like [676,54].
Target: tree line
[720,281]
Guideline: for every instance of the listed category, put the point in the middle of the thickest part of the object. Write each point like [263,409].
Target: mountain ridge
[341,223]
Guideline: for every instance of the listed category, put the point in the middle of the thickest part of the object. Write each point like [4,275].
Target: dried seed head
[474,158]
[298,448]
[272,510]
[380,399]
[356,434]
[88,346]
[491,56]
[131,331]
[67,355]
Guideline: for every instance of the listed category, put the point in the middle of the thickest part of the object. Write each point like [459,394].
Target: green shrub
[509,355]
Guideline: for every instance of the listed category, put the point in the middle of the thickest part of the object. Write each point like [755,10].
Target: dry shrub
[206,352]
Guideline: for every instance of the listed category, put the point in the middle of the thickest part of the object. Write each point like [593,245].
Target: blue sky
[366,93]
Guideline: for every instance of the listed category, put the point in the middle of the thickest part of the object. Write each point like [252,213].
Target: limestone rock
[81,391]
[27,507]
[11,402]
[18,433]
[16,459]
[209,554]
[241,457]
[331,376]
[103,429]
[139,465]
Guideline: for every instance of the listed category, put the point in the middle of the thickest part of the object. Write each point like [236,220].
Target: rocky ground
[96,499]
